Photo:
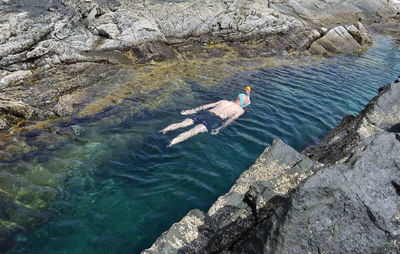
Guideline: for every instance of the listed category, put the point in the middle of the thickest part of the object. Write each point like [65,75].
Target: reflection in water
[119,186]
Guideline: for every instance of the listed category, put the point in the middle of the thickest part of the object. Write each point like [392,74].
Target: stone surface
[254,197]
[348,40]
[350,207]
[34,31]
[380,114]
[37,37]
[52,53]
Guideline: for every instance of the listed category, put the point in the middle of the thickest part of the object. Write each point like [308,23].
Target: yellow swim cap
[248,89]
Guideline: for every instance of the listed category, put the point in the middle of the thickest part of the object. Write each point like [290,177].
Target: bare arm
[227,122]
[192,111]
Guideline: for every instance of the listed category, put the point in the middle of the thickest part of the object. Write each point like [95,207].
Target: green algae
[208,69]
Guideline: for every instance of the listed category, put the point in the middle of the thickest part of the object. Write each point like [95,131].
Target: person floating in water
[210,117]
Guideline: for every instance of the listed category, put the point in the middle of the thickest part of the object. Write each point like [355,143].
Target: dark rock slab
[255,196]
[380,114]
[350,207]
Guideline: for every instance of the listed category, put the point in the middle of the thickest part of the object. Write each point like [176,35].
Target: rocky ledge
[346,200]
[52,51]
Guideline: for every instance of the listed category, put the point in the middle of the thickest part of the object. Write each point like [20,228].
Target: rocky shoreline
[50,52]
[346,200]
[55,54]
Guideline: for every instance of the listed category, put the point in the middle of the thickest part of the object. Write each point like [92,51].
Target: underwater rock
[24,206]
[66,103]
[287,203]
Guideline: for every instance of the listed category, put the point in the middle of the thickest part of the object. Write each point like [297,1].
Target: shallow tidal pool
[124,186]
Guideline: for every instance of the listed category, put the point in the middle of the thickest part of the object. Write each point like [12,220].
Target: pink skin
[224,109]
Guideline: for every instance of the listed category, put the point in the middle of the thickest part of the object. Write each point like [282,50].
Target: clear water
[127,187]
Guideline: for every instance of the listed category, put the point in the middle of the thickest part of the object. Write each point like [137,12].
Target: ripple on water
[125,187]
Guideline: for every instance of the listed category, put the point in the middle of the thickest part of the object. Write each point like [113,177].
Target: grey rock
[42,34]
[380,114]
[3,124]
[350,207]
[337,40]
[14,77]
[360,34]
[73,27]
[259,190]
[16,108]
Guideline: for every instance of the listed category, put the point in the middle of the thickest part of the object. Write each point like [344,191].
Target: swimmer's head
[243,100]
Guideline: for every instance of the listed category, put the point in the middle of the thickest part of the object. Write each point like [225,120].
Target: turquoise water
[126,187]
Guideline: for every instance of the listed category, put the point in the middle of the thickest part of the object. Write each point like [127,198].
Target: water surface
[126,187]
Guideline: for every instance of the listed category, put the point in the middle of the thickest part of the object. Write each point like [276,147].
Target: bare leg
[175,126]
[188,134]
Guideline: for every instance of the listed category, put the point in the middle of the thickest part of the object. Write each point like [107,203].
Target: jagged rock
[339,40]
[37,36]
[259,190]
[360,34]
[69,28]
[350,207]
[380,114]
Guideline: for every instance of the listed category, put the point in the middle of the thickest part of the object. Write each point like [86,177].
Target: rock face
[288,203]
[255,196]
[43,33]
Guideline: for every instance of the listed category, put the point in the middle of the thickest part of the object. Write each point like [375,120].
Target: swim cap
[248,89]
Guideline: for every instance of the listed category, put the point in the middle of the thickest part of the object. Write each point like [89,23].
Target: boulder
[340,40]
[360,34]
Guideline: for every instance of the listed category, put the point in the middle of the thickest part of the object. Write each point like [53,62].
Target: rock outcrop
[288,203]
[349,39]
[43,33]
[253,198]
